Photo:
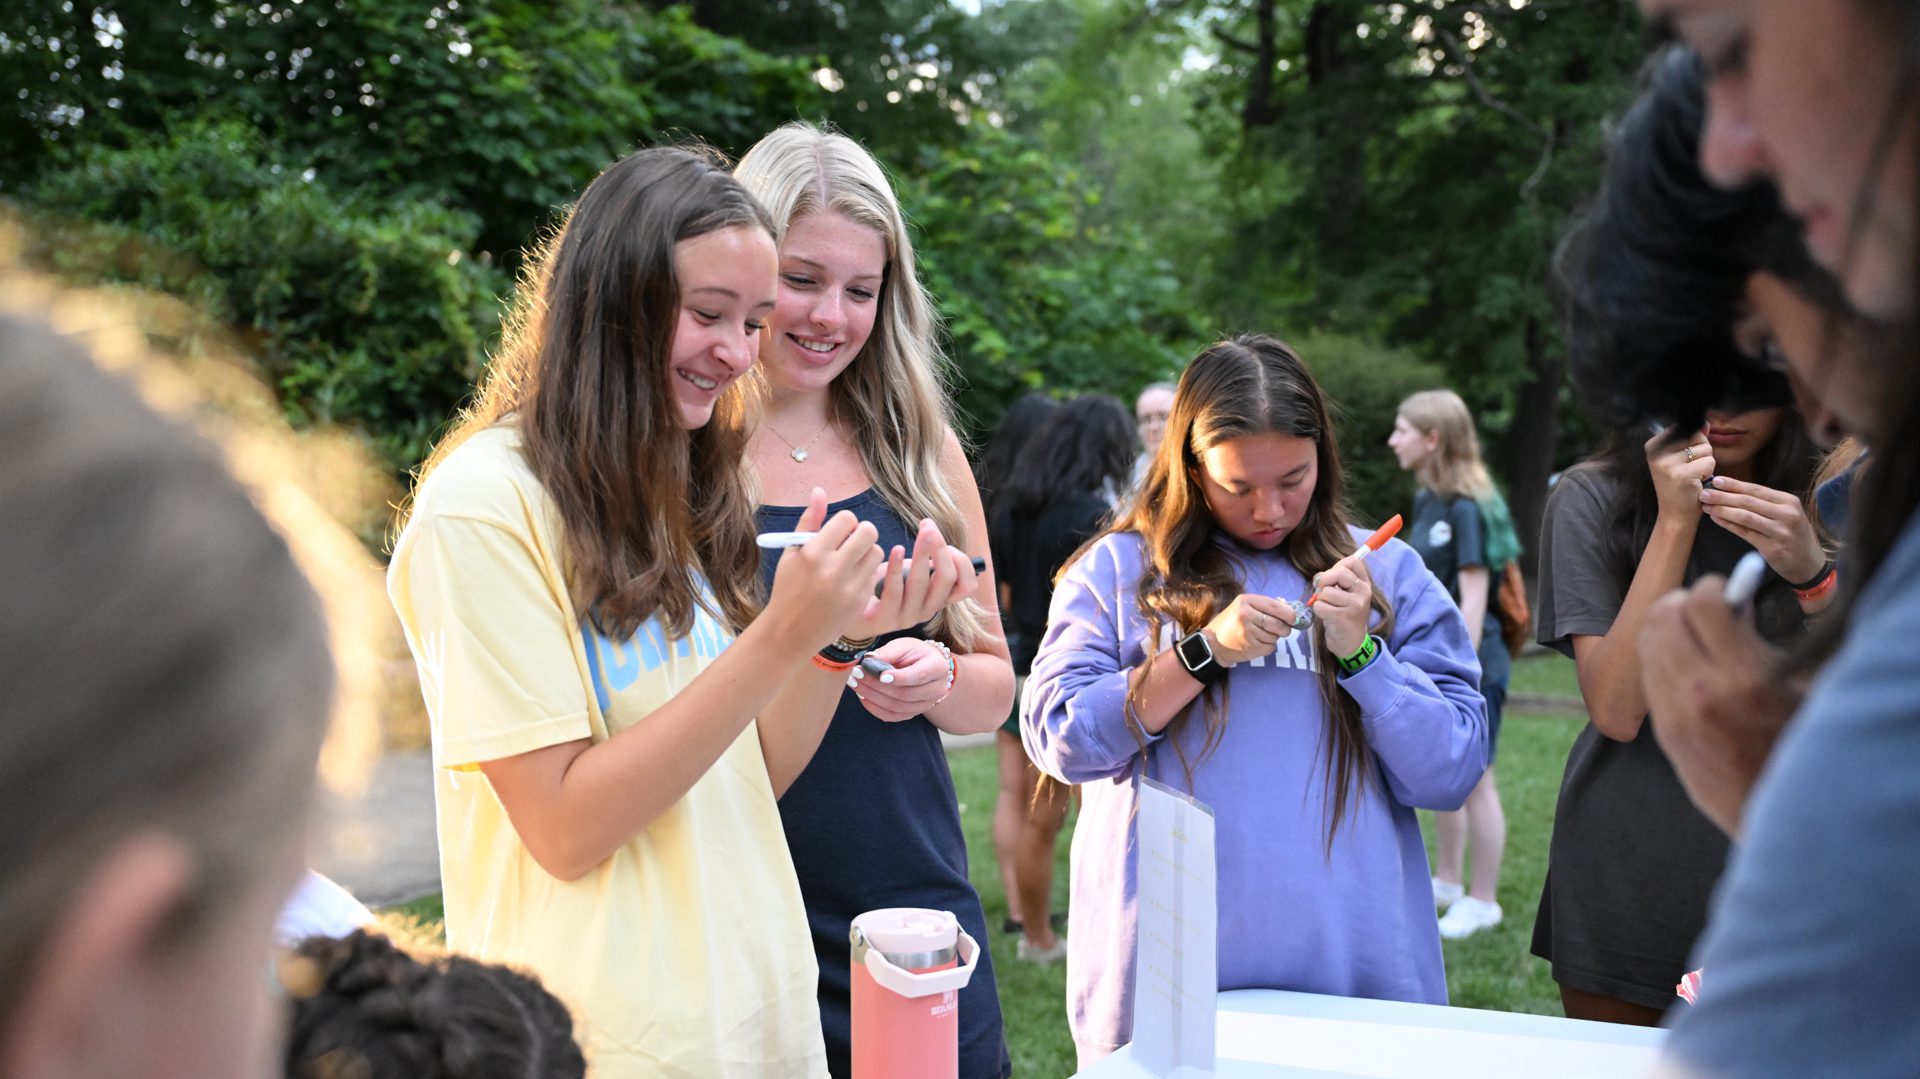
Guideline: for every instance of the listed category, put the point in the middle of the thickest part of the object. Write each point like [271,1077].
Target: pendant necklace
[800,453]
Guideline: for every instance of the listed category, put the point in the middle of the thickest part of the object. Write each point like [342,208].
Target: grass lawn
[1490,970]
[1547,675]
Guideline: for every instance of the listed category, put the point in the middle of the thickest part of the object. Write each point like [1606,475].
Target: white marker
[774,541]
[1745,579]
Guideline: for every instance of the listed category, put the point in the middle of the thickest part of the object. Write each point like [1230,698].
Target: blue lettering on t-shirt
[615,665]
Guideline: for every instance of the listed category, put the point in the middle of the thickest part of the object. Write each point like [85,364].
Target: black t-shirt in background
[1028,550]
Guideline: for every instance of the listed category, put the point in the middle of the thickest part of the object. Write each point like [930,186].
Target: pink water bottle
[909,966]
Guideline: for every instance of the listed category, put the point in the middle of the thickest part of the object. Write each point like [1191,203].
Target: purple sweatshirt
[1357,923]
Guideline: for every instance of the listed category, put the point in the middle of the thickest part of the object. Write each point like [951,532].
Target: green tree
[351,182]
[1401,170]
[364,311]
[1037,292]
[504,109]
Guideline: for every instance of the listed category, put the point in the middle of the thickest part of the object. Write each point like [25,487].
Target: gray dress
[1632,863]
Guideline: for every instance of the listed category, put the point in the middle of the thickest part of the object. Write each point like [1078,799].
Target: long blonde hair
[1454,468]
[894,393]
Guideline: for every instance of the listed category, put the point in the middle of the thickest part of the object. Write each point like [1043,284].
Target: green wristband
[1361,656]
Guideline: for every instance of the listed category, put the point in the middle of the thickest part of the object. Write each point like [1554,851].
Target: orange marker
[1374,542]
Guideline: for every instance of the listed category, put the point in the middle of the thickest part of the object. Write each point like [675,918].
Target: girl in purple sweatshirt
[1171,652]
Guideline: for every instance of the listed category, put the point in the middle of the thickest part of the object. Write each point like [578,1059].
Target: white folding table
[1272,1034]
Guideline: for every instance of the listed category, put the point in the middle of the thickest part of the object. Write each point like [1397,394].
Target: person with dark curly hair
[363,1006]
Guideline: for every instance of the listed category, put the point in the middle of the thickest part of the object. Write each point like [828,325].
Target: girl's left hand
[1344,606]
[1773,522]
[920,679]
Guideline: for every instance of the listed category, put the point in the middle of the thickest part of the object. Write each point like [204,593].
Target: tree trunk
[1260,111]
[1531,442]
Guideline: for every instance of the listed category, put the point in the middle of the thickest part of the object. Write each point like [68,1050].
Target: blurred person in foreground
[1807,974]
[367,1007]
[165,684]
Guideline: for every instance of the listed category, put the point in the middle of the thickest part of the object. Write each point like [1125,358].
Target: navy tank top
[873,822]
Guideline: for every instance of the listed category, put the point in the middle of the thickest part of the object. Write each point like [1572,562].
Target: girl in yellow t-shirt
[614,711]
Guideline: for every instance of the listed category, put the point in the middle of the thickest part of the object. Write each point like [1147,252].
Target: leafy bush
[349,183]
[359,311]
[1366,383]
[1035,293]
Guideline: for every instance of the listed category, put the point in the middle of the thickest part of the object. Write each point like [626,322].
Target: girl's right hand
[1250,626]
[823,585]
[1679,472]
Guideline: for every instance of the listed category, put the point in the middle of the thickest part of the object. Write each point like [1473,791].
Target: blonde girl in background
[854,404]
[1463,532]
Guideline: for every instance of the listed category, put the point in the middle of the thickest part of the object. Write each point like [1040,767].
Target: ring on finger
[1691,454]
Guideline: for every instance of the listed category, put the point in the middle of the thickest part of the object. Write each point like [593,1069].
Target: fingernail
[886,679]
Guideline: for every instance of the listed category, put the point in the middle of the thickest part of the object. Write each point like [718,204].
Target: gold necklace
[800,453]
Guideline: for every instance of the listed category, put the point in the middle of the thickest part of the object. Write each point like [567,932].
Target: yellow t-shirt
[686,953]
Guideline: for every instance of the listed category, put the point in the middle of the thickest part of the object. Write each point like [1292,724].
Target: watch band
[1206,671]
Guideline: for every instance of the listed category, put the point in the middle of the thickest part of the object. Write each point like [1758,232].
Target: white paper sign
[1176,972]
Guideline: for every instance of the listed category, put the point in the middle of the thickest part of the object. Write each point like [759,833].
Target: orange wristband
[1821,588]
[826,664]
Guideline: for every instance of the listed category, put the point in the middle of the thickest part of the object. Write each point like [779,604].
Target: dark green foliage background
[1098,187]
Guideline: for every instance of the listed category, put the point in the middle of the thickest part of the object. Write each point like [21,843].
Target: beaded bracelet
[842,654]
[953,670]
[845,653]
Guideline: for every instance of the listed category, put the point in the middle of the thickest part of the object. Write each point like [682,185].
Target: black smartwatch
[1196,655]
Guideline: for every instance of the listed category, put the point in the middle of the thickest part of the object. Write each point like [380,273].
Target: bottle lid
[909,930]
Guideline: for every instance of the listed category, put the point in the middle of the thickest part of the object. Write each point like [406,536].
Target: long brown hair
[1250,385]
[648,507]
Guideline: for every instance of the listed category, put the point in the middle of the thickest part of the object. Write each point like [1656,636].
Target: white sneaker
[1446,893]
[1469,916]
[1031,954]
